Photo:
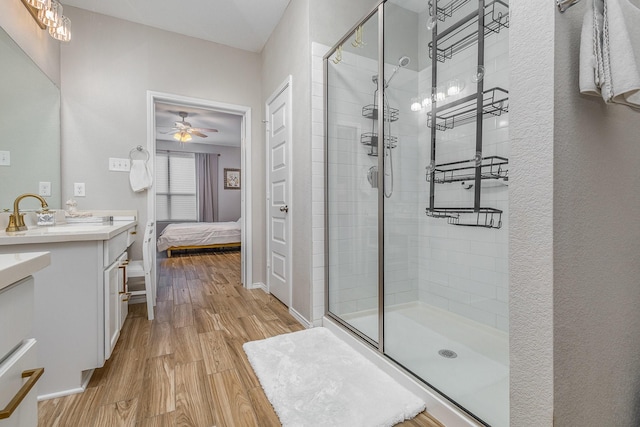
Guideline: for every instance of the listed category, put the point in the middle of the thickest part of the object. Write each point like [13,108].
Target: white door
[279,193]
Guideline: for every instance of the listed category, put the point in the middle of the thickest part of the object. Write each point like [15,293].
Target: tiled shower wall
[465,269]
[459,269]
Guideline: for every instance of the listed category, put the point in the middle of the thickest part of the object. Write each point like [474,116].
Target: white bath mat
[312,378]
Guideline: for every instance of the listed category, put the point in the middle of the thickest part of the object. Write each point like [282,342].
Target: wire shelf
[464,34]
[495,102]
[446,11]
[371,112]
[491,167]
[468,217]
[370,139]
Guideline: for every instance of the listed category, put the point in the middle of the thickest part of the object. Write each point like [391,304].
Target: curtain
[207,173]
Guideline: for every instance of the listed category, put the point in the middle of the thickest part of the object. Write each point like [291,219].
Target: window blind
[176,186]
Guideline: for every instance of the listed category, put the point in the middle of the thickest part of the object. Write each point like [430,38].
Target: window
[176,186]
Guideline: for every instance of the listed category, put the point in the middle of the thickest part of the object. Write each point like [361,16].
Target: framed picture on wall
[231,179]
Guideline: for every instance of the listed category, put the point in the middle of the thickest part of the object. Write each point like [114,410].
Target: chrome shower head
[404,61]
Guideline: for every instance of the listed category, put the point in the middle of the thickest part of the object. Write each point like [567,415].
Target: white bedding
[199,234]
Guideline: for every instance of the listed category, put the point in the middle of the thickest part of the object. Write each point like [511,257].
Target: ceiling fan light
[182,136]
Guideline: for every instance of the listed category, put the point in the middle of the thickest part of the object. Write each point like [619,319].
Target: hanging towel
[610,52]
[591,64]
[621,52]
[139,176]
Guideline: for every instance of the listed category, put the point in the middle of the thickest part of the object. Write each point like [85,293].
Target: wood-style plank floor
[186,367]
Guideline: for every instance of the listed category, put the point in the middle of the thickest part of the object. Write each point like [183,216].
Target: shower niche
[466,31]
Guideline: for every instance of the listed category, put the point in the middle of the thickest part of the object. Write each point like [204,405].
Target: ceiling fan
[182,131]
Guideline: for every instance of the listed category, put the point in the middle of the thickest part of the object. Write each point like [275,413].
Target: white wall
[531,213]
[36,42]
[596,247]
[106,73]
[287,52]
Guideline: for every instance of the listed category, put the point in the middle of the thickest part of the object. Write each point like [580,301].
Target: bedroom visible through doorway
[200,187]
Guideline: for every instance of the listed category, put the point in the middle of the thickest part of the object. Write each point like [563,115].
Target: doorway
[244,113]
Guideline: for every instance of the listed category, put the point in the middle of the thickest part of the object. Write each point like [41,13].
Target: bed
[199,235]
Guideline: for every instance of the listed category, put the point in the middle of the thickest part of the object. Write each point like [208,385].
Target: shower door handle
[284,208]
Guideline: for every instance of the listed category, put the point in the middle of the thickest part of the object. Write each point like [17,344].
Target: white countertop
[14,267]
[64,233]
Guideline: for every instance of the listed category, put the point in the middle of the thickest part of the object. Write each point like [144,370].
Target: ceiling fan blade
[195,132]
[170,131]
[206,129]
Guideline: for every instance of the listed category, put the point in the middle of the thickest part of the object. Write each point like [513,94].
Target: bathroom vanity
[19,368]
[81,305]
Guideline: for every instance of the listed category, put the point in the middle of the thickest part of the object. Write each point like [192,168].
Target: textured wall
[106,73]
[596,248]
[531,209]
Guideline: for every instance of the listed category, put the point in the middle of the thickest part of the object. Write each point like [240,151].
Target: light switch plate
[44,189]
[5,158]
[78,189]
[119,165]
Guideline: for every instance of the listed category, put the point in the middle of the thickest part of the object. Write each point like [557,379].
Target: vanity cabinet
[77,316]
[19,369]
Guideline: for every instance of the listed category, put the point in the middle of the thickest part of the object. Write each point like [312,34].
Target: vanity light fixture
[182,136]
[48,15]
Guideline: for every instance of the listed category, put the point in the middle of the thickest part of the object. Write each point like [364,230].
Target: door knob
[284,208]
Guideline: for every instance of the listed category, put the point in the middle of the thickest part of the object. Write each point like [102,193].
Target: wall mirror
[30,129]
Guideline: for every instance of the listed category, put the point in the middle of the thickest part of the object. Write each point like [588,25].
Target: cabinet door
[111,309]
[11,382]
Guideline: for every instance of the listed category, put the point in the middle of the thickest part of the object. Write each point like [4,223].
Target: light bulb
[426,101]
[63,31]
[431,22]
[415,104]
[50,16]
[454,87]
[38,4]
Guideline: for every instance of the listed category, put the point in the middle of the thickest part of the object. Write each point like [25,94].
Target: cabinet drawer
[11,383]
[16,314]
[114,247]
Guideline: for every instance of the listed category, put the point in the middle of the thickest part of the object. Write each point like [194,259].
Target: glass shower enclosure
[417,149]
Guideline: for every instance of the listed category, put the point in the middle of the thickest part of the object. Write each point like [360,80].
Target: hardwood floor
[186,367]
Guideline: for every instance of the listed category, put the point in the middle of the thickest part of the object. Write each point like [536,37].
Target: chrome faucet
[16,219]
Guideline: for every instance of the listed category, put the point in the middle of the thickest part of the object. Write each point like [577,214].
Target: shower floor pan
[422,338]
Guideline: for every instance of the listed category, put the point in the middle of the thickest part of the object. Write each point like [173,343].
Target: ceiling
[229,125]
[243,24]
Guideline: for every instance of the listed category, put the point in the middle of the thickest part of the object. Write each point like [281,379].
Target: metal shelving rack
[370,139]
[489,18]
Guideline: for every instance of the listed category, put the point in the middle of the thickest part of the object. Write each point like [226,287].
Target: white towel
[139,176]
[621,51]
[610,52]
[589,50]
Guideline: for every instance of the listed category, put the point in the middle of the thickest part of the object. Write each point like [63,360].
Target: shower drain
[449,354]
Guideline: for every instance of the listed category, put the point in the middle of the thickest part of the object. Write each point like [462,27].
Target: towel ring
[141,150]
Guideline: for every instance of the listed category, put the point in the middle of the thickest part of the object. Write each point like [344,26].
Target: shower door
[445,199]
[352,180]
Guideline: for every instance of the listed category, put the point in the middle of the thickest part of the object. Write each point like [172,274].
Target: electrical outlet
[119,165]
[78,189]
[44,189]
[5,158]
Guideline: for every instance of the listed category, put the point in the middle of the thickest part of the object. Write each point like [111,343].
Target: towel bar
[565,4]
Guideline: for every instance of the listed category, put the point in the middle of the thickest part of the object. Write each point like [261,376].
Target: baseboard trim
[300,318]
[62,393]
[258,285]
